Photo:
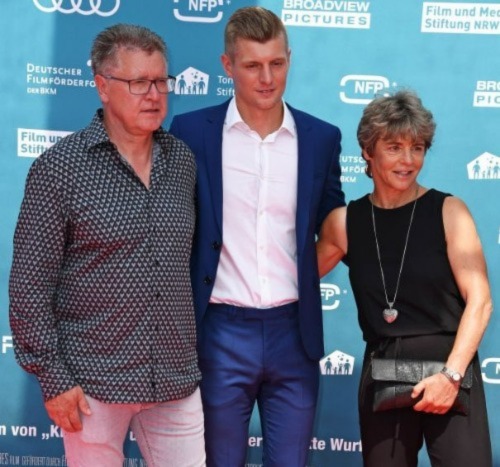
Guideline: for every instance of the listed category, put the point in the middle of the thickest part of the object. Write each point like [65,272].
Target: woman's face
[395,162]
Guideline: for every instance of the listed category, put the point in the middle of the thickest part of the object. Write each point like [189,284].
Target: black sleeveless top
[428,299]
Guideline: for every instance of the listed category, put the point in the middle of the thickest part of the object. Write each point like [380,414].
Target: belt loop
[233,313]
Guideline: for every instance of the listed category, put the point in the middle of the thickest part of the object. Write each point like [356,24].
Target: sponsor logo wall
[343,53]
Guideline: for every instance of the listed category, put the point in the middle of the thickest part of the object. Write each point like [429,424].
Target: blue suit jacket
[319,191]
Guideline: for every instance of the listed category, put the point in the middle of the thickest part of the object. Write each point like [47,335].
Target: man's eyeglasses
[143,86]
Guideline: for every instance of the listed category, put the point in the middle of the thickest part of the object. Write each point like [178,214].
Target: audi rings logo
[89,7]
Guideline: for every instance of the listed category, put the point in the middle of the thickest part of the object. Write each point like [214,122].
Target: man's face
[124,112]
[259,72]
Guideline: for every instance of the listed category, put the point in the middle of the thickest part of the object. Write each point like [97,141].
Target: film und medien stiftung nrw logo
[6,344]
[326,14]
[484,167]
[32,142]
[487,94]
[199,11]
[460,18]
[82,7]
[361,89]
[330,296]
[191,82]
[337,363]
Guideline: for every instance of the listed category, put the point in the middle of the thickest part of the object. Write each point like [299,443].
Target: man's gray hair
[108,42]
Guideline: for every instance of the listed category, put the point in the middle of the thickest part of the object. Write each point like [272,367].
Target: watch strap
[454,376]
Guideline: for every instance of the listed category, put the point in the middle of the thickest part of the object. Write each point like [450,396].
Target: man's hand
[64,409]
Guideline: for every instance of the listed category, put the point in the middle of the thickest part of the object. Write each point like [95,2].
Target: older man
[101,305]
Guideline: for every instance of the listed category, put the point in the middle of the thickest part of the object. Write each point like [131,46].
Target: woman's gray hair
[107,43]
[399,115]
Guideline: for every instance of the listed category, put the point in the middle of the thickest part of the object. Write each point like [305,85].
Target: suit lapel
[305,177]
[213,146]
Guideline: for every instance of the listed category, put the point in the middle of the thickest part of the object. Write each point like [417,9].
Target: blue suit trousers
[252,355]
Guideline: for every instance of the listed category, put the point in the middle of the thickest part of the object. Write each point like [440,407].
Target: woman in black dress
[419,279]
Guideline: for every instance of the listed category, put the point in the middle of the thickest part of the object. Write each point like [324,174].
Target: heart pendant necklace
[390,314]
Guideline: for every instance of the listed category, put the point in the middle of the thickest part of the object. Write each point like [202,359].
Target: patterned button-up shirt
[100,292]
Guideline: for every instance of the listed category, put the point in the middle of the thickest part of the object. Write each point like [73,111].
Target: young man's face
[259,72]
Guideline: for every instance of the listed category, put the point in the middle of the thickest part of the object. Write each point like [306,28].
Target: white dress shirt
[258,262]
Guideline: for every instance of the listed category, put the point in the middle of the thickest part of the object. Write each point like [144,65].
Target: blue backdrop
[343,53]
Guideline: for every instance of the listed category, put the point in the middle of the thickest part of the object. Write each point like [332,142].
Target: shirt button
[158,294]
[157,262]
[207,280]
[216,245]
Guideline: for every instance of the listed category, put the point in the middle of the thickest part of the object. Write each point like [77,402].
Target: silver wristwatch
[454,376]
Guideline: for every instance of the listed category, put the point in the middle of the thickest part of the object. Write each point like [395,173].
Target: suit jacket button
[207,280]
[216,245]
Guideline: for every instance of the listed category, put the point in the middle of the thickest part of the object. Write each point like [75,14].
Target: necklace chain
[391,303]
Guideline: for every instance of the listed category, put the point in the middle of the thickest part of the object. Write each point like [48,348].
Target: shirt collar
[96,133]
[233,119]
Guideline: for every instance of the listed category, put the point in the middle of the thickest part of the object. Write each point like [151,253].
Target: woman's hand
[438,394]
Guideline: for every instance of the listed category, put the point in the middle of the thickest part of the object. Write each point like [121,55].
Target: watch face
[452,375]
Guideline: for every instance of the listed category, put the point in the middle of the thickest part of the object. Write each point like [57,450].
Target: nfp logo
[484,167]
[491,370]
[337,363]
[191,81]
[329,295]
[199,11]
[361,89]
[89,7]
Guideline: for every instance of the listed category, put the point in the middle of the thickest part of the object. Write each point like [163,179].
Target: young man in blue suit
[267,177]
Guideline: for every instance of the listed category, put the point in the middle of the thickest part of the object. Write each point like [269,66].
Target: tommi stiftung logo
[191,81]
[484,167]
[337,363]
[199,11]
